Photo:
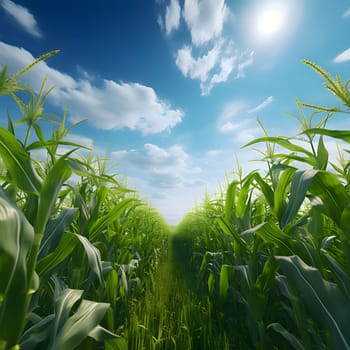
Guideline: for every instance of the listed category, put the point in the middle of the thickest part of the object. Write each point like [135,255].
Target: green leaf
[18,163]
[281,192]
[114,214]
[229,229]
[93,255]
[337,134]
[230,200]
[290,337]
[54,231]
[323,300]
[51,187]
[101,334]
[226,275]
[69,332]
[16,239]
[37,334]
[300,184]
[334,196]
[322,155]
[271,233]
[283,142]
[51,261]
[266,189]
[50,143]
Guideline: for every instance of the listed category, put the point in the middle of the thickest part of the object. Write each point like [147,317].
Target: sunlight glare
[269,21]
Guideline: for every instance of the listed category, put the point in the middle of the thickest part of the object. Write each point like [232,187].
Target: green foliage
[74,256]
[274,258]
[85,264]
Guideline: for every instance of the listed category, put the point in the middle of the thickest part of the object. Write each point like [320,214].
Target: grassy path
[172,315]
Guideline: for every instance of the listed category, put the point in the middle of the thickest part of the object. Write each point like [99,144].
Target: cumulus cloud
[22,16]
[262,105]
[343,57]
[172,16]
[109,106]
[163,167]
[205,19]
[214,66]
[210,56]
[154,159]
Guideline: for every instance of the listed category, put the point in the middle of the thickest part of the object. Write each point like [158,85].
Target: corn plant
[281,276]
[71,257]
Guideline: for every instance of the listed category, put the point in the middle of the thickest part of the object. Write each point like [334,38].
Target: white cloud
[109,106]
[22,16]
[172,16]
[232,110]
[344,56]
[215,152]
[197,68]
[262,105]
[346,13]
[234,120]
[205,19]
[154,159]
[80,140]
[213,67]
[164,175]
[246,60]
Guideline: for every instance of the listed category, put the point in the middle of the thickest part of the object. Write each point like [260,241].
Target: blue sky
[173,87]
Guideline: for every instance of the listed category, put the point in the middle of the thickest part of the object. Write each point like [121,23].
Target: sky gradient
[172,89]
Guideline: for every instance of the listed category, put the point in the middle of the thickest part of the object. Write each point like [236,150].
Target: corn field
[86,264]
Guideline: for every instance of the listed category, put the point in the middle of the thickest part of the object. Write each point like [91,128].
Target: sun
[269,21]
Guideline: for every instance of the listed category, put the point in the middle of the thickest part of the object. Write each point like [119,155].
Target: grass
[87,264]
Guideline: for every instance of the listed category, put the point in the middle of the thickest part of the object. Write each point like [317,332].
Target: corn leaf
[337,134]
[226,275]
[334,196]
[54,231]
[290,337]
[16,239]
[52,184]
[70,331]
[299,186]
[324,300]
[18,163]
[281,192]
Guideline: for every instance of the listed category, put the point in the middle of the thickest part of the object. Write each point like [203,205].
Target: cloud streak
[342,57]
[172,16]
[111,106]
[262,105]
[22,16]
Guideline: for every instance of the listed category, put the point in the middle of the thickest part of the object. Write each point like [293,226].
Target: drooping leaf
[324,300]
[336,134]
[290,337]
[18,163]
[299,186]
[16,239]
[54,231]
[70,331]
[334,196]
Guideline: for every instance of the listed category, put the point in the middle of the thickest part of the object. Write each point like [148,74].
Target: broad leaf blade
[324,300]
[18,163]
